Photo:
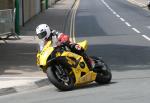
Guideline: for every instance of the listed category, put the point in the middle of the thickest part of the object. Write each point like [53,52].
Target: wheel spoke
[62,76]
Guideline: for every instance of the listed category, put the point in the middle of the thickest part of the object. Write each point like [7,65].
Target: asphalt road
[116,30]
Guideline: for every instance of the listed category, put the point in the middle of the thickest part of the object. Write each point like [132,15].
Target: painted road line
[114,13]
[76,7]
[111,10]
[146,37]
[72,25]
[127,24]
[122,19]
[136,30]
[107,6]
[118,15]
[72,22]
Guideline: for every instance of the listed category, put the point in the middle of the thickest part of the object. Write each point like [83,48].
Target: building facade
[28,9]
[25,9]
[6,4]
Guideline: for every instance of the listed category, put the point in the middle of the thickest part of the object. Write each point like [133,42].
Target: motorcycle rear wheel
[57,81]
[105,76]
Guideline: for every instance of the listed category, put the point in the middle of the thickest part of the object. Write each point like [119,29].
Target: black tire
[148,6]
[105,76]
[56,82]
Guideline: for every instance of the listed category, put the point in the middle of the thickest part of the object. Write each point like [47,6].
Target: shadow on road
[22,56]
[123,57]
[91,85]
[17,56]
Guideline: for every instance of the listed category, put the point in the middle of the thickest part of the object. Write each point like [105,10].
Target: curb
[16,89]
[138,3]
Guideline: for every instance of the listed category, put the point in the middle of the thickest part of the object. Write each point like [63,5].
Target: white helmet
[43,31]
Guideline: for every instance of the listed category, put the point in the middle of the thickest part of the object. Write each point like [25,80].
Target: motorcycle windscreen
[83,44]
[45,53]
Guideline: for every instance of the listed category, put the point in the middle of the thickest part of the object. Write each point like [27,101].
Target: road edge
[22,88]
[142,5]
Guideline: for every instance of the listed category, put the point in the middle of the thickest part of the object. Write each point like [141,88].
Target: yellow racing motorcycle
[66,70]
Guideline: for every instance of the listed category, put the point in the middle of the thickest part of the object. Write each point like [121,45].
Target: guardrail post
[17,29]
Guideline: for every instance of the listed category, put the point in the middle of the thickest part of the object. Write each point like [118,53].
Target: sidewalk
[141,3]
[18,57]
[55,17]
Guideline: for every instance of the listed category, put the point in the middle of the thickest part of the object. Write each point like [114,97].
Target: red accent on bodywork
[63,38]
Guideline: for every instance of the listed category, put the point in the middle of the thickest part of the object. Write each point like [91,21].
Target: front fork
[61,73]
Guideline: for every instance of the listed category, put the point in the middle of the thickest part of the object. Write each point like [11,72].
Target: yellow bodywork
[88,76]
[43,55]
[83,44]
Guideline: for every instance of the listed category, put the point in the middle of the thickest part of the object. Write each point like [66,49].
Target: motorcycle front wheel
[60,78]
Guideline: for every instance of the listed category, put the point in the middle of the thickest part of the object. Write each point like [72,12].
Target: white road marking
[122,19]
[127,24]
[111,10]
[114,13]
[72,24]
[107,6]
[76,7]
[118,16]
[136,30]
[146,37]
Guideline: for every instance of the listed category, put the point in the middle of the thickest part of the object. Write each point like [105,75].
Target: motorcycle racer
[45,33]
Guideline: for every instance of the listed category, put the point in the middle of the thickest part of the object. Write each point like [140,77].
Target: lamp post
[46,4]
[17,29]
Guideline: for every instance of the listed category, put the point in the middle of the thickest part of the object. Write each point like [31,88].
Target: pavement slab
[141,3]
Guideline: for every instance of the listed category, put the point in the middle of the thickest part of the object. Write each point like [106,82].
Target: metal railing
[7,23]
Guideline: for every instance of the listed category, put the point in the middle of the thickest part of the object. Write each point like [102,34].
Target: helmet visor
[42,35]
